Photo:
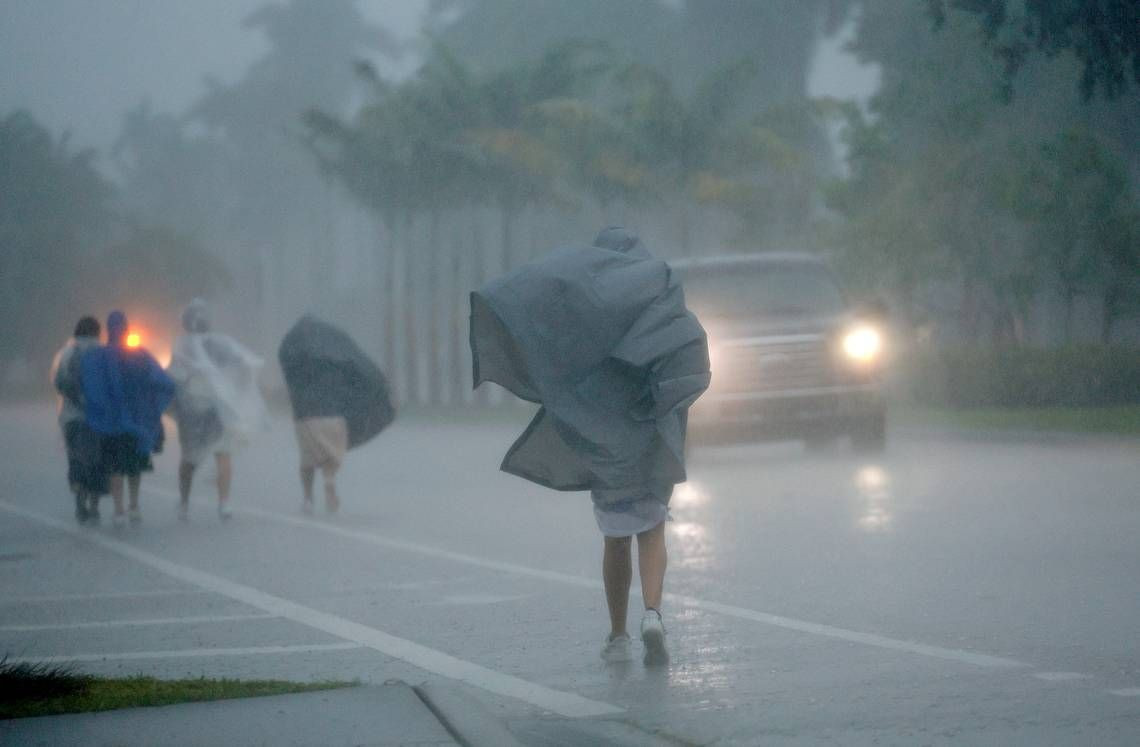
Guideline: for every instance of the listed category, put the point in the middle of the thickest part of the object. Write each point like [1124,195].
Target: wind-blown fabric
[327,374]
[602,340]
[125,390]
[65,377]
[218,397]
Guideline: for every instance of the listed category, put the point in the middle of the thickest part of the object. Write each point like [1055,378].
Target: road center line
[1061,676]
[803,626]
[96,597]
[1127,692]
[189,620]
[187,653]
[564,704]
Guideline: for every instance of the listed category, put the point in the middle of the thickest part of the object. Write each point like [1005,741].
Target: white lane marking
[434,552]
[854,636]
[187,653]
[189,620]
[472,599]
[1127,692]
[96,597]
[803,626]
[1061,676]
[436,662]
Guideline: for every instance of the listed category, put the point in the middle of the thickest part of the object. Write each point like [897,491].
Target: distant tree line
[971,208]
[978,188]
[67,249]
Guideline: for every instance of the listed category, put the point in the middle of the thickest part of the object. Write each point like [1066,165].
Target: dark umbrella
[327,374]
[601,338]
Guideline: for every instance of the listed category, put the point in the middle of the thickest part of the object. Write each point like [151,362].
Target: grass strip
[1116,420]
[38,690]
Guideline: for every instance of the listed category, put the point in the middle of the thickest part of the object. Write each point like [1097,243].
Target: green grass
[1115,420]
[40,690]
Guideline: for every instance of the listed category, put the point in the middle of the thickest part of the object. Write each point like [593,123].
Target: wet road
[949,592]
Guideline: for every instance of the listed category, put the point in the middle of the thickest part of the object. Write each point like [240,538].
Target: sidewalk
[381,715]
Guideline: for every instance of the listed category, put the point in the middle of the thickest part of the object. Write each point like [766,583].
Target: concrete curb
[467,720]
[384,715]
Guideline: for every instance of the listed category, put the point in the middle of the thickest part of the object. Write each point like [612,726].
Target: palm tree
[682,139]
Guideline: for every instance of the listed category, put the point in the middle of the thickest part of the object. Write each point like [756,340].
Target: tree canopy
[1103,34]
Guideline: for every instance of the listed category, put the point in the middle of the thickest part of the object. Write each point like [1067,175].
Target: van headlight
[863,344]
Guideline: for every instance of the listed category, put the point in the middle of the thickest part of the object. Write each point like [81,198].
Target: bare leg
[133,483]
[80,506]
[651,562]
[307,476]
[117,493]
[332,502]
[225,476]
[185,482]
[617,574]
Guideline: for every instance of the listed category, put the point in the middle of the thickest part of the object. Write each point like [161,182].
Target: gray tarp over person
[340,399]
[599,337]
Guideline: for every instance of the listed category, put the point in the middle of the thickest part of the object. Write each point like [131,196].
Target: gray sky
[79,64]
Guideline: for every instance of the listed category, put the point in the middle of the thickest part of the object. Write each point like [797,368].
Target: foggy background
[373,161]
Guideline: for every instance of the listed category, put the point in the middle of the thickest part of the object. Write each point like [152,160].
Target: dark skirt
[86,469]
[122,456]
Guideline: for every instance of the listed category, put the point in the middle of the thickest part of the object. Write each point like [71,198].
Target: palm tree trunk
[401,317]
[507,220]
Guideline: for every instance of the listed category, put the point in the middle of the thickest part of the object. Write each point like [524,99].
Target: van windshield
[767,290]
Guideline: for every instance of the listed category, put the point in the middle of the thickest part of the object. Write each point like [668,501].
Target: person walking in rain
[86,473]
[217,403]
[339,398]
[600,337]
[125,392]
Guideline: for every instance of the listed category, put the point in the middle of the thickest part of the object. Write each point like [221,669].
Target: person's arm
[59,369]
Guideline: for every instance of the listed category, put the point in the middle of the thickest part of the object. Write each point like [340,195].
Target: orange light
[133,340]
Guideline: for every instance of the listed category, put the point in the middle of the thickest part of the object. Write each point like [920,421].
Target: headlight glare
[863,344]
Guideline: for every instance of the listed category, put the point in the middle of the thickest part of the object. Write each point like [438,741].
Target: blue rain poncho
[125,390]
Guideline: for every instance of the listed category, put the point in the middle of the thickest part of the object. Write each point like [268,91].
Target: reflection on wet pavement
[874,493]
[690,546]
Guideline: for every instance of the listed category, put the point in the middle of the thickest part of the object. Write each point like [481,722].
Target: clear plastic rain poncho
[218,404]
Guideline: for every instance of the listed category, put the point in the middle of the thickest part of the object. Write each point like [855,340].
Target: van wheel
[870,434]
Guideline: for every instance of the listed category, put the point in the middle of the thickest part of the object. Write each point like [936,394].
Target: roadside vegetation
[45,690]
[1121,420]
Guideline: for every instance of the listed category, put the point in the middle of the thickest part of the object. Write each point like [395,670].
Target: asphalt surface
[948,592]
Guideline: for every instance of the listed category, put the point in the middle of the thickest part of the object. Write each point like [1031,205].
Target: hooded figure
[218,404]
[125,390]
[601,339]
[327,374]
[86,472]
[339,397]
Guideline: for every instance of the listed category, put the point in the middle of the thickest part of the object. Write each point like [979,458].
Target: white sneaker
[224,512]
[118,521]
[653,636]
[135,516]
[617,649]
